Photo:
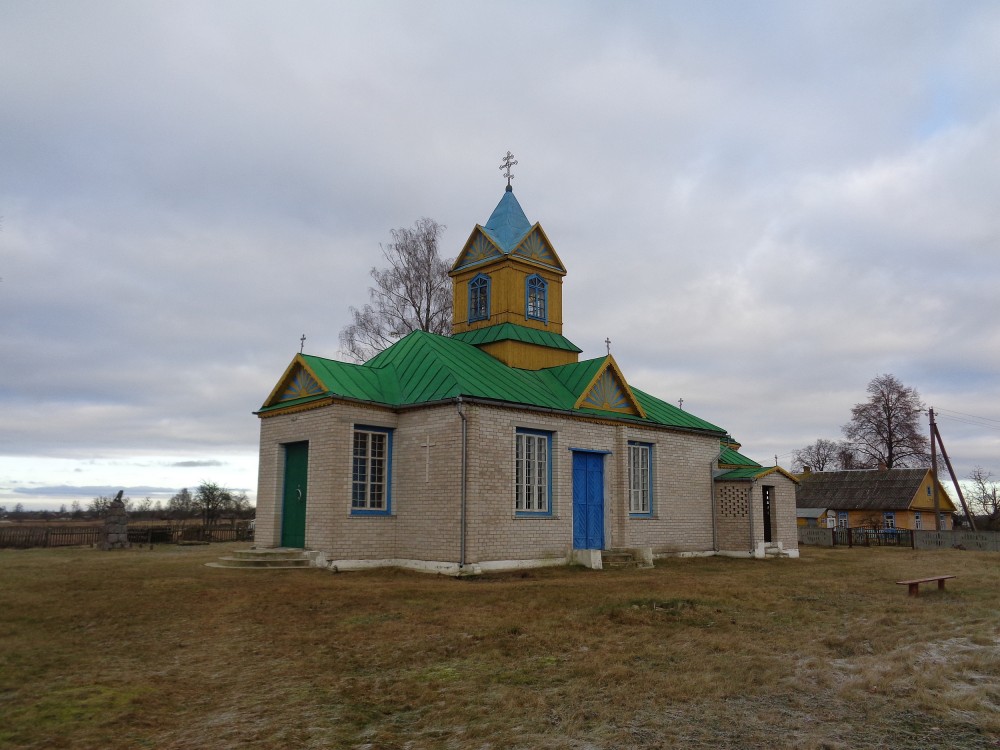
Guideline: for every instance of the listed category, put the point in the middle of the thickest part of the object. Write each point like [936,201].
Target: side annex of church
[498,448]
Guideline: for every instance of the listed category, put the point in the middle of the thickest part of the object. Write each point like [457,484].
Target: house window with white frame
[640,478]
[371,470]
[841,519]
[917,521]
[889,520]
[532,472]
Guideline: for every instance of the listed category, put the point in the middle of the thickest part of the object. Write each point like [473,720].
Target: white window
[640,478]
[916,520]
[370,471]
[842,519]
[531,472]
[889,520]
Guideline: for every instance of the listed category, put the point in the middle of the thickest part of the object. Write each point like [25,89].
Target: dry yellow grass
[149,648]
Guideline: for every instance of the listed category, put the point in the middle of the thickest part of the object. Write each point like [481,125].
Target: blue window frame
[889,520]
[640,478]
[532,473]
[479,298]
[536,291]
[841,519]
[371,471]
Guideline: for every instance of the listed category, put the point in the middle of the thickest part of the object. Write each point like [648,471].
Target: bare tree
[181,505]
[818,456]
[412,294]
[848,458]
[212,501]
[885,428]
[984,500]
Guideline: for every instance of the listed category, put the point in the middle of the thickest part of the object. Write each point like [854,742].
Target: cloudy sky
[763,206]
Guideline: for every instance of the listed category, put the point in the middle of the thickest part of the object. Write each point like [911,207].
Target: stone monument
[116,525]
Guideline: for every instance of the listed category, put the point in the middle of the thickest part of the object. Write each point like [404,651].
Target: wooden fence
[24,537]
[856,537]
[983,541]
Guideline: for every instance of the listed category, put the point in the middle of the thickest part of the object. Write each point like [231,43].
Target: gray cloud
[64,490]
[763,206]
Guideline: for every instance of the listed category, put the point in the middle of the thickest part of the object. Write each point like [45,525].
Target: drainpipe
[465,456]
[711,481]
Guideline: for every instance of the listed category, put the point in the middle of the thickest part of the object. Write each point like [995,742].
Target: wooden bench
[915,583]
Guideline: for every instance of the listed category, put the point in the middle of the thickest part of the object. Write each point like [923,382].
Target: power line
[974,416]
[969,422]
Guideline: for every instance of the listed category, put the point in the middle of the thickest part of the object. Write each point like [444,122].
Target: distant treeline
[209,502]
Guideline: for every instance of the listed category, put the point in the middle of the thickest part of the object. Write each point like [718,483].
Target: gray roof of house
[872,489]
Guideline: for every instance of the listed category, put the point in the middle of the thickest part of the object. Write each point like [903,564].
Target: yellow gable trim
[526,248]
[608,391]
[298,365]
[766,470]
[478,248]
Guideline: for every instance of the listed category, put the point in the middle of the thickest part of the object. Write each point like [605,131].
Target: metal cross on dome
[506,163]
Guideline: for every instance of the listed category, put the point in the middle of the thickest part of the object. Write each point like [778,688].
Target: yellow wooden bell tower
[507,286]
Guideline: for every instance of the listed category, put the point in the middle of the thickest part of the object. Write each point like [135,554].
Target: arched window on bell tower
[535,298]
[479,298]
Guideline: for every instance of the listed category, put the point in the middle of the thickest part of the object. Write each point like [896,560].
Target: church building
[498,447]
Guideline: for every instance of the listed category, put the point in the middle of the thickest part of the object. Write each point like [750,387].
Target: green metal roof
[514,332]
[424,368]
[749,473]
[731,457]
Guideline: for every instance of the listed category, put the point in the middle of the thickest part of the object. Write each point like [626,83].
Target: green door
[293,506]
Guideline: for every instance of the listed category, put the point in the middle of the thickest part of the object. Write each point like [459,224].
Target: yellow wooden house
[872,498]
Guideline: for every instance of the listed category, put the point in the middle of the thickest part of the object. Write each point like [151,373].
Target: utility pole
[934,479]
[936,435]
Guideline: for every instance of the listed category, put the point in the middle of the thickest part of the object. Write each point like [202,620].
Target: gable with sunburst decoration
[477,249]
[535,246]
[608,391]
[300,384]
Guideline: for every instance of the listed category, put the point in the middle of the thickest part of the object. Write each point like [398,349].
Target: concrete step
[264,559]
[278,553]
[618,559]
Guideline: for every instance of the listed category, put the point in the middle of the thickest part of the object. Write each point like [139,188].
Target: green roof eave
[749,473]
[292,402]
[660,411]
[515,332]
[734,459]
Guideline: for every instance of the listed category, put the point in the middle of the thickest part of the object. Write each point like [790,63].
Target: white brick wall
[732,500]
[425,520]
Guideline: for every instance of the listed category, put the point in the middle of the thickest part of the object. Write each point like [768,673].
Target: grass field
[149,648]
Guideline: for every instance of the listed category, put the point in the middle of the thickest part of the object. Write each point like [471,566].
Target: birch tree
[412,294]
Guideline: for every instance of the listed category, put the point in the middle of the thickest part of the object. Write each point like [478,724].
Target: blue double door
[588,500]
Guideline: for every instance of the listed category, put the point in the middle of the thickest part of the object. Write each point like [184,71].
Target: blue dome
[507,223]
